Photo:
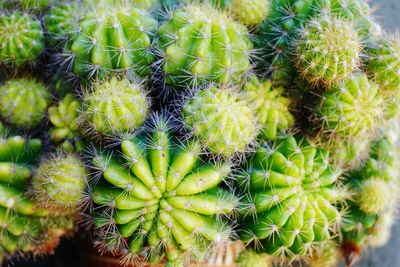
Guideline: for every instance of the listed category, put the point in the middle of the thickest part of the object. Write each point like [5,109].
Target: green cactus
[271,108]
[115,106]
[62,23]
[59,182]
[161,198]
[249,257]
[381,231]
[289,209]
[23,102]
[25,225]
[327,256]
[199,43]
[65,118]
[327,50]
[112,37]
[250,12]
[21,39]
[36,6]
[352,108]
[222,120]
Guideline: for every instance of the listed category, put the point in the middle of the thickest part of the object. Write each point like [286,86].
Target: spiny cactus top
[203,44]
[60,181]
[23,102]
[161,198]
[250,12]
[25,226]
[352,108]
[222,120]
[112,37]
[292,191]
[65,119]
[327,50]
[271,108]
[21,38]
[384,63]
[115,106]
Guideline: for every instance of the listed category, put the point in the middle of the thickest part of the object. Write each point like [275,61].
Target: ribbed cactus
[23,102]
[290,205]
[199,43]
[250,12]
[352,108]
[112,37]
[271,108]
[115,106]
[327,50]
[62,22]
[222,119]
[161,199]
[59,182]
[26,227]
[21,38]
[65,119]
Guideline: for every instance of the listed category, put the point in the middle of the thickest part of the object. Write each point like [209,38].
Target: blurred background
[67,255]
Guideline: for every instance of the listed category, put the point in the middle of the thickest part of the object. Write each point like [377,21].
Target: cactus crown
[327,50]
[201,44]
[21,39]
[115,106]
[23,102]
[351,108]
[271,108]
[109,40]
[161,198]
[292,192]
[222,120]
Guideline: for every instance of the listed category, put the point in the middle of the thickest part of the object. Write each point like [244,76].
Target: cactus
[250,12]
[199,43]
[380,232]
[25,225]
[21,39]
[112,37]
[289,209]
[162,200]
[251,258]
[222,120]
[62,23]
[271,108]
[65,119]
[59,182]
[36,6]
[23,102]
[115,106]
[352,108]
[327,50]
[327,256]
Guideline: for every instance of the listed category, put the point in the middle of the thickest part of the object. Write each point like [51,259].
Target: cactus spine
[163,200]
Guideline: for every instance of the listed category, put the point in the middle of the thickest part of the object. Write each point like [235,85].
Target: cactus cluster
[161,199]
[21,40]
[210,132]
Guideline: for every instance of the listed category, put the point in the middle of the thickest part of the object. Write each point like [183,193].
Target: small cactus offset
[161,199]
[114,106]
[222,120]
[290,208]
[327,50]
[199,43]
[21,39]
[271,108]
[26,227]
[352,108]
[65,119]
[112,37]
[23,102]
[59,182]
[250,12]
[251,258]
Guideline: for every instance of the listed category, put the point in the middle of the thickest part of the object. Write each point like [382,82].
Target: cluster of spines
[292,193]
[201,44]
[163,200]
